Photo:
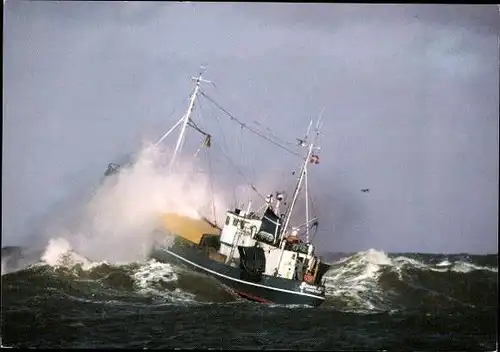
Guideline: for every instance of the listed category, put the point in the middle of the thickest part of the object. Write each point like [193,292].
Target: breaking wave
[376,281]
[63,271]
[369,281]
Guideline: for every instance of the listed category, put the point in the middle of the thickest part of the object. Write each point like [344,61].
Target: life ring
[308,278]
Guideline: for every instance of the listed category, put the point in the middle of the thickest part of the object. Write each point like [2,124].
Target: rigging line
[200,102]
[225,145]
[271,133]
[174,109]
[312,203]
[211,184]
[314,212]
[310,195]
[198,113]
[196,128]
[240,173]
[241,157]
[193,124]
[211,174]
[220,128]
[243,125]
[241,147]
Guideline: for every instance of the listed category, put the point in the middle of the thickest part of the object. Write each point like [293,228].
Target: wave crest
[375,281]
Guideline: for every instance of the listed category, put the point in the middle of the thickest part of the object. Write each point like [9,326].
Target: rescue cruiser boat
[257,254]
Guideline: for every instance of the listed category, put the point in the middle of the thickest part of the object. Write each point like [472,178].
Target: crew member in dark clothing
[299,270]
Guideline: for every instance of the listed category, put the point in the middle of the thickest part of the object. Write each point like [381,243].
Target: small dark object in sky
[365,190]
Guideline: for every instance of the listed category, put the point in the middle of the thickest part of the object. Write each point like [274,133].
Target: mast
[297,187]
[303,173]
[187,115]
[307,208]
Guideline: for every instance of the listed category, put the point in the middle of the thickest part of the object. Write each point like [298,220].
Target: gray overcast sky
[410,92]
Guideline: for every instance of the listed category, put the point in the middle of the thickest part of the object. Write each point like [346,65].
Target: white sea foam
[355,280]
[465,267]
[444,263]
[151,277]
[118,222]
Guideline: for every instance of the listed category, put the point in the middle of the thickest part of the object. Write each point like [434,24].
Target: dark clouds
[482,18]
[410,96]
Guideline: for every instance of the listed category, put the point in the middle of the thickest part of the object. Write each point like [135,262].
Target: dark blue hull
[268,289]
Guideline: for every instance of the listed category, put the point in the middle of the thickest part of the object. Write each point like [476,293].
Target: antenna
[319,123]
[309,129]
[203,68]
[186,118]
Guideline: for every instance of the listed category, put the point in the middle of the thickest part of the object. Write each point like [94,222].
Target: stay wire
[211,183]
[244,125]
[239,172]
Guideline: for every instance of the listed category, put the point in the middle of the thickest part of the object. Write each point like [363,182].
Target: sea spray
[60,253]
[119,220]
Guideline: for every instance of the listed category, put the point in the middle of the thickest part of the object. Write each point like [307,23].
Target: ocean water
[375,301]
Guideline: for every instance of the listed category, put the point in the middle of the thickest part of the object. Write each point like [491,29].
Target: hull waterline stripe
[241,281]
[255,298]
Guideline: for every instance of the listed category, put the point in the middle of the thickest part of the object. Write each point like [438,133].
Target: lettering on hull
[304,286]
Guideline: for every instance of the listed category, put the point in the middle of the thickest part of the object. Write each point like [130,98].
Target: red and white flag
[315,159]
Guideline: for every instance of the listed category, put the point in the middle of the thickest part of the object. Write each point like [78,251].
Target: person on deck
[299,270]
